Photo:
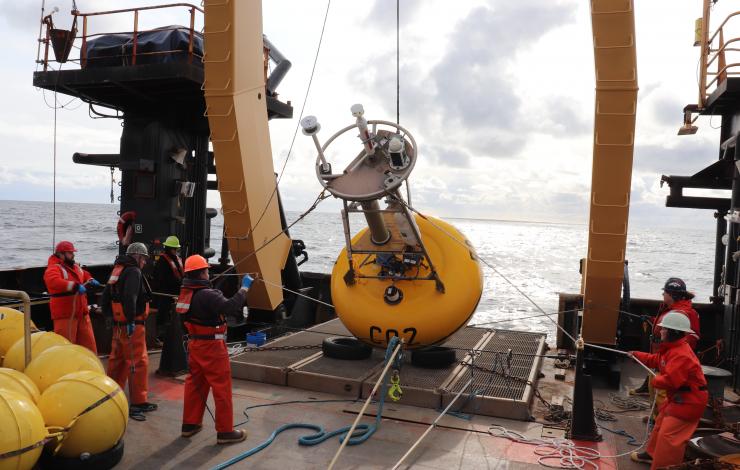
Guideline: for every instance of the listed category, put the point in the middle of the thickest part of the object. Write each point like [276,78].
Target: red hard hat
[195,262]
[64,246]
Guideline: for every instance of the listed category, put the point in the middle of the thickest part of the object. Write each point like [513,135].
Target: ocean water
[541,259]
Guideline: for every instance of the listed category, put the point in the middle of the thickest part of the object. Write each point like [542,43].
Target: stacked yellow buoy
[58,361]
[15,357]
[64,405]
[23,433]
[11,328]
[17,382]
[64,388]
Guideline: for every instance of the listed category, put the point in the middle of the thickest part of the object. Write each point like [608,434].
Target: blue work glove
[130,328]
[247,281]
[94,282]
[81,289]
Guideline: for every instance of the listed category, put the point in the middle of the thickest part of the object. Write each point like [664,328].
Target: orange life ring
[125,227]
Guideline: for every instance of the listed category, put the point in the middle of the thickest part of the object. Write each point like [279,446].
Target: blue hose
[361,433]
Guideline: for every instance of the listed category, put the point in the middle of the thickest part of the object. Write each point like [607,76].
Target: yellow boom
[613,23]
[234,88]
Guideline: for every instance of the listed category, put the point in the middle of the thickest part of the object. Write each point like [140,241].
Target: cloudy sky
[499,95]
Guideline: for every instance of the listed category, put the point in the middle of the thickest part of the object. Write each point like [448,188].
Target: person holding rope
[680,376]
[204,311]
[675,299]
[66,283]
[126,298]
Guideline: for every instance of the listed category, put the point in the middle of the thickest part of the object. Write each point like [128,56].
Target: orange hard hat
[195,262]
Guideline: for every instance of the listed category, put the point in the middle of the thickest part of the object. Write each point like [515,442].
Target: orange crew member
[681,376]
[677,299]
[65,281]
[204,311]
[127,295]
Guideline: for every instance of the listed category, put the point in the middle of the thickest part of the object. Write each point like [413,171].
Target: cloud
[467,97]
[686,157]
[21,14]
[383,14]
[668,111]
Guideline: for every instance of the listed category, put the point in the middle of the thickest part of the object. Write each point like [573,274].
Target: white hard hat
[675,320]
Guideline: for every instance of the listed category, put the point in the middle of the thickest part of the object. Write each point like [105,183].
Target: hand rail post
[83,61]
[704,53]
[192,32]
[136,34]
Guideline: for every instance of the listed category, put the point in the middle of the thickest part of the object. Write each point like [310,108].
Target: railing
[66,40]
[715,51]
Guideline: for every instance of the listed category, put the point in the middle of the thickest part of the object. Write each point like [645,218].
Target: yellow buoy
[11,328]
[22,428]
[94,431]
[420,314]
[40,341]
[57,361]
[11,379]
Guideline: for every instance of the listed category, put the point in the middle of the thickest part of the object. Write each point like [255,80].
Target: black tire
[433,357]
[351,349]
[102,461]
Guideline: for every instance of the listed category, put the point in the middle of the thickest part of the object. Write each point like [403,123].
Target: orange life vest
[175,267]
[184,301]
[116,306]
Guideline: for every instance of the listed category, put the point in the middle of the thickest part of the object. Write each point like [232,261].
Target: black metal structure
[721,321]
[164,149]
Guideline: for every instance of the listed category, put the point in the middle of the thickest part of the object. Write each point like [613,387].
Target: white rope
[367,402]
[433,425]
[565,453]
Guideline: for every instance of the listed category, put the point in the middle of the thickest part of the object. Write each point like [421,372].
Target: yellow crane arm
[613,24]
[234,88]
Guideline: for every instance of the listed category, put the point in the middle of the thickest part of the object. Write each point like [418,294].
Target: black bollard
[173,361]
[583,422]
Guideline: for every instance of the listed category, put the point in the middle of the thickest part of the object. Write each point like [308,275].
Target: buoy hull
[15,357]
[424,316]
[95,431]
[58,361]
[22,426]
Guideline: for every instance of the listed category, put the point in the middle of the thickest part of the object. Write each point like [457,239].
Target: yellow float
[15,357]
[58,361]
[22,428]
[18,382]
[95,431]
[11,328]
[424,316]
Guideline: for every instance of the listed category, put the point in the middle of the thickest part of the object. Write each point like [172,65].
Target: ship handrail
[715,57]
[83,39]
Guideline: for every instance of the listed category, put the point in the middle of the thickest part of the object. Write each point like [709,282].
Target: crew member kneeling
[204,312]
[681,376]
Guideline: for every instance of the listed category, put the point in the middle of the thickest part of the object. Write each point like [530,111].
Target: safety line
[433,425]
[388,364]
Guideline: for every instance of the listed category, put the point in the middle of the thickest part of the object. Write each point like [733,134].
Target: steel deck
[505,393]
